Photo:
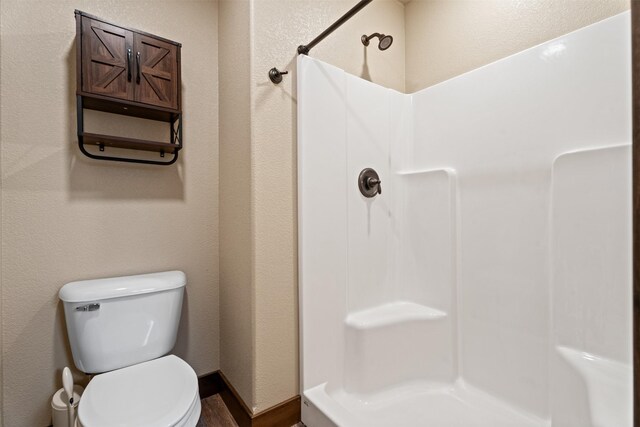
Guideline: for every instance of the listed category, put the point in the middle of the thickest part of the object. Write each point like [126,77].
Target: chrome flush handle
[88,307]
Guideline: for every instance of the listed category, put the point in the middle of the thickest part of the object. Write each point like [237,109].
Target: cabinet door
[106,68]
[156,72]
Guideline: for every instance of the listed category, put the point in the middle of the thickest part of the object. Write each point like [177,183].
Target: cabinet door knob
[138,67]
[129,65]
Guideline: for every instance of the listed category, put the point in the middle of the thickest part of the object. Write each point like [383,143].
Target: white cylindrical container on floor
[59,410]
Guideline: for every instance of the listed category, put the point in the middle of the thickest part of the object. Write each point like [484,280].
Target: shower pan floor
[419,404]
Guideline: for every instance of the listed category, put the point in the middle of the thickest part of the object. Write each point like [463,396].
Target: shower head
[383,44]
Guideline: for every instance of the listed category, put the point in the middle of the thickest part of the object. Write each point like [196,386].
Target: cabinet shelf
[126,108]
[130,143]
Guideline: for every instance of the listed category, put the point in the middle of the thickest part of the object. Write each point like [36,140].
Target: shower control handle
[369,183]
[373,183]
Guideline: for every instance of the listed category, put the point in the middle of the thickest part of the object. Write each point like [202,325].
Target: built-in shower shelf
[392,313]
[608,384]
[448,171]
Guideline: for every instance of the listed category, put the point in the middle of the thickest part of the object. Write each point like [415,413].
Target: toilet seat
[159,393]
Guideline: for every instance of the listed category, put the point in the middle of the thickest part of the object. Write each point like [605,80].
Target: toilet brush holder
[59,409]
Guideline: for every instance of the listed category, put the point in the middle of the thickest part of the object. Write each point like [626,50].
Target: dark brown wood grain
[210,384]
[214,413]
[78,51]
[105,68]
[286,413]
[123,64]
[130,72]
[635,36]
[157,72]
[106,104]
[179,77]
[132,143]
[240,411]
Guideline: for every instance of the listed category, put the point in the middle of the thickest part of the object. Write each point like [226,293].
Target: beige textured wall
[66,217]
[446,38]
[279,27]
[260,144]
[236,241]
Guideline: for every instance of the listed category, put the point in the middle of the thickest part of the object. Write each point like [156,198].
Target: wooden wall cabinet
[125,71]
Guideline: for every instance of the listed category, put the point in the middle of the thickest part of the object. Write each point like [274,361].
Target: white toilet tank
[121,321]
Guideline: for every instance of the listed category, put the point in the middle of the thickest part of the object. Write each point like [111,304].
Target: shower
[485,286]
[384,43]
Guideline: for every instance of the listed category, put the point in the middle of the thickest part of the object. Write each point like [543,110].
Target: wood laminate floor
[215,414]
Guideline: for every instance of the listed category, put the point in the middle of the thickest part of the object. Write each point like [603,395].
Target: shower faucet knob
[369,183]
[373,183]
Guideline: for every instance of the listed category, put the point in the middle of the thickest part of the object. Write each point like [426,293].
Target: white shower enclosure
[490,283]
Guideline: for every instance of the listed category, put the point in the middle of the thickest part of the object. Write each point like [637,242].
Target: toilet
[122,329]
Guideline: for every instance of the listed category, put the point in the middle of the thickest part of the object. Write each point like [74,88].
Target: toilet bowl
[161,392]
[121,329]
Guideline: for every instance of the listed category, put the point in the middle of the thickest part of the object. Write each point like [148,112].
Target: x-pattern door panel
[106,68]
[157,72]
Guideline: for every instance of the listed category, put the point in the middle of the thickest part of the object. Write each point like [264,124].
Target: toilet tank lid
[117,287]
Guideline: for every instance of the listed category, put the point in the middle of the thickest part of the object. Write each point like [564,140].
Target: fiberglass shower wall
[368,258]
[498,253]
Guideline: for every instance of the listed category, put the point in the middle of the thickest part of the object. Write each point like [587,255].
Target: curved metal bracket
[124,159]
